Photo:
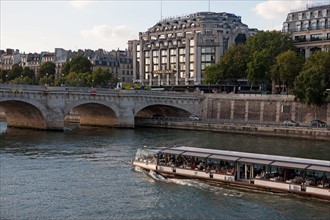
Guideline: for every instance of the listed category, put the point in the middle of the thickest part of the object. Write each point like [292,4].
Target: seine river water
[86,174]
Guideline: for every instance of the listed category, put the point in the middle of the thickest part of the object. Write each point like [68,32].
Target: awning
[258,161]
[196,154]
[223,157]
[290,165]
[171,151]
[319,168]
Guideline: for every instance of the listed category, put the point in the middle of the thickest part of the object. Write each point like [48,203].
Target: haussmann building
[175,51]
[309,28]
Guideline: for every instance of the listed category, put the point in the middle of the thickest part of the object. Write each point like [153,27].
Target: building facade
[176,50]
[309,28]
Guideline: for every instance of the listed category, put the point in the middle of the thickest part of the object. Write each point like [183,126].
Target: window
[324,12]
[173,52]
[208,32]
[192,43]
[163,52]
[155,53]
[208,50]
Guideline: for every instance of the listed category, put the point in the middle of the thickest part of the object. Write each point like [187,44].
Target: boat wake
[192,183]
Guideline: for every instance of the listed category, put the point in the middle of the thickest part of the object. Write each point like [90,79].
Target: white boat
[307,177]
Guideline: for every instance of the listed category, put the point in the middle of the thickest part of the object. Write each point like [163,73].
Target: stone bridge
[44,107]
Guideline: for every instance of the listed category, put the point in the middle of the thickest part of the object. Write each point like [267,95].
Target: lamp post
[92,83]
[62,79]
[6,78]
[21,79]
[46,79]
[79,82]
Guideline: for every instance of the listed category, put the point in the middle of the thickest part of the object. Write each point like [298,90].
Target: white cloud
[80,3]
[271,9]
[119,34]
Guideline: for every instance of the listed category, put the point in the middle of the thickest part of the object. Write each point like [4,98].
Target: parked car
[318,123]
[290,123]
[194,118]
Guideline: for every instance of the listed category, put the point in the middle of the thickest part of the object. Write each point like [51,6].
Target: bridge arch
[163,110]
[92,113]
[23,114]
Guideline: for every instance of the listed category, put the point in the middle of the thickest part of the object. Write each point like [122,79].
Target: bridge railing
[96,91]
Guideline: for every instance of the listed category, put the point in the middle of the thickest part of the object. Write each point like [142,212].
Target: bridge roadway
[45,107]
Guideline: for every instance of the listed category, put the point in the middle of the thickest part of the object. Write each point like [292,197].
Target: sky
[43,25]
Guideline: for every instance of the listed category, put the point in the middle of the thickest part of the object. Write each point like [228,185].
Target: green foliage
[311,84]
[258,66]
[72,79]
[78,64]
[47,68]
[15,72]
[286,69]
[212,74]
[264,47]
[101,77]
[4,75]
[309,88]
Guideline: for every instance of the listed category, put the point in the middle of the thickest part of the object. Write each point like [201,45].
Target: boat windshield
[146,156]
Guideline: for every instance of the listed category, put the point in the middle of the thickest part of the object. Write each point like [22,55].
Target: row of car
[313,123]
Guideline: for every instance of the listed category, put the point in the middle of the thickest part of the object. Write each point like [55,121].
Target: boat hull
[229,180]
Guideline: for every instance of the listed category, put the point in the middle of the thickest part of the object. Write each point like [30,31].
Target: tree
[263,48]
[46,73]
[78,64]
[309,87]
[311,84]
[232,66]
[258,66]
[28,73]
[15,72]
[276,42]
[72,79]
[47,67]
[212,74]
[101,77]
[286,69]
[4,75]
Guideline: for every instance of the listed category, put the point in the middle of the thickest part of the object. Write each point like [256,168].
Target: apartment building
[176,50]
[117,61]
[309,28]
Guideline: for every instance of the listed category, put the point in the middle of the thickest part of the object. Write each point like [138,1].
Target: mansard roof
[195,20]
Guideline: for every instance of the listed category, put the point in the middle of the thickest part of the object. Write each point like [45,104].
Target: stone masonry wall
[263,108]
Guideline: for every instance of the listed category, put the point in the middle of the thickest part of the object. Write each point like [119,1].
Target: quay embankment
[240,128]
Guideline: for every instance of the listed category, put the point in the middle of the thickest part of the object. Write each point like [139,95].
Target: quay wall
[261,108]
[266,130]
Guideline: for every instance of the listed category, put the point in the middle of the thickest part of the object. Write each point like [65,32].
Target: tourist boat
[271,173]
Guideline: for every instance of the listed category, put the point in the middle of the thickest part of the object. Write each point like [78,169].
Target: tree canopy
[311,83]
[78,64]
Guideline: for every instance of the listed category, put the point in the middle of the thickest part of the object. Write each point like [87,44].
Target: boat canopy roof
[264,159]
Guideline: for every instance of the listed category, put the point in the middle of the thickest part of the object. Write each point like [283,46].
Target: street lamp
[6,78]
[92,83]
[21,79]
[46,79]
[62,79]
